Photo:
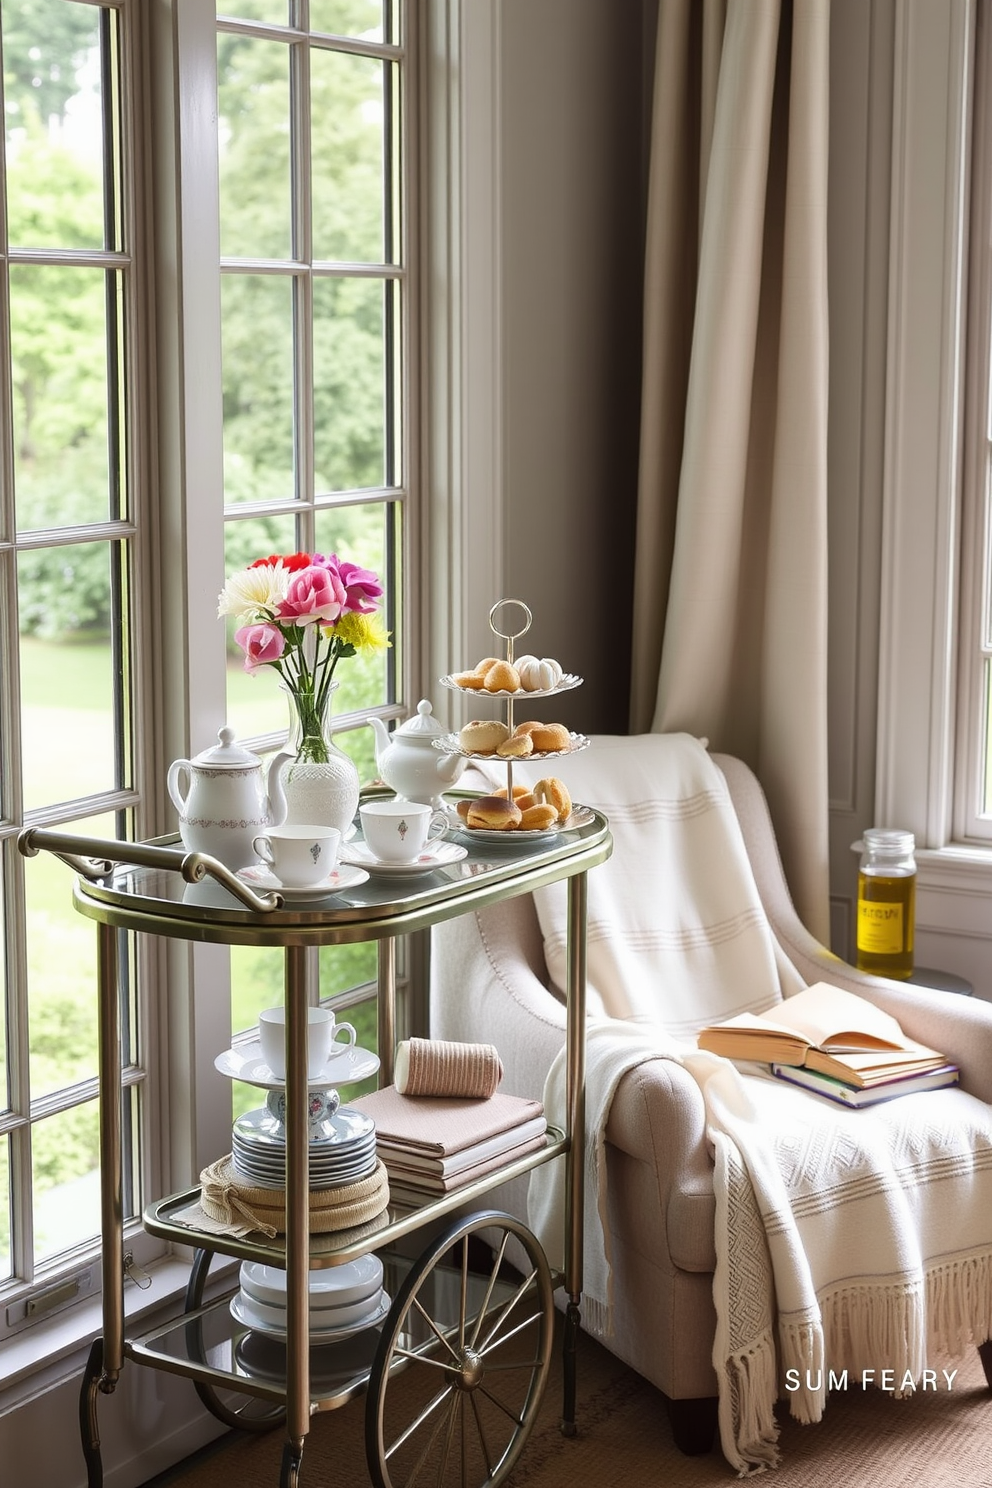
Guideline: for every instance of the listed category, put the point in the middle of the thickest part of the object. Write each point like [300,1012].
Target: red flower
[292,561]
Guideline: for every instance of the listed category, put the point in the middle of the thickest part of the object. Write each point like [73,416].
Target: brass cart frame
[160,889]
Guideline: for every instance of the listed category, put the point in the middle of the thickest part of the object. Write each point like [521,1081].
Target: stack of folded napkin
[434,1144]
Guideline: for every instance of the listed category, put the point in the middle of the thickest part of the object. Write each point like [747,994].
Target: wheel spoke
[497,1263]
[519,1364]
[487,1455]
[425,1454]
[496,1343]
[449,1437]
[414,1425]
[517,1420]
[434,1327]
[507,1309]
[418,1358]
[463,1296]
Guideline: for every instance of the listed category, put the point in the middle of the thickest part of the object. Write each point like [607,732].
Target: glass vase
[321,782]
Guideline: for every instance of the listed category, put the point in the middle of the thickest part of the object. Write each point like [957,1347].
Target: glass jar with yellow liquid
[886,903]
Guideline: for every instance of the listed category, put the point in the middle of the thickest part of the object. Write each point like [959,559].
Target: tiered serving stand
[448,1319]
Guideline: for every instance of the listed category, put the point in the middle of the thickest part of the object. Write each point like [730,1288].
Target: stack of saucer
[341,1148]
[343,1299]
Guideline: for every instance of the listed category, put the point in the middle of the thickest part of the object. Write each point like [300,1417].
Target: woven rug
[941,1439]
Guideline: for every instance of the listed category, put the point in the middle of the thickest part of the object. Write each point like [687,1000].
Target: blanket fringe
[959,1303]
[748,1430]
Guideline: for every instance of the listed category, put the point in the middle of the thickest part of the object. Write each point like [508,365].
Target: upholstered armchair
[490,982]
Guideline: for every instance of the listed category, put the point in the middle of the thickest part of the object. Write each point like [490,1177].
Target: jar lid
[423,725]
[227,755]
[889,842]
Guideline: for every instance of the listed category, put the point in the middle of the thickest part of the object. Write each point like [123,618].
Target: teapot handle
[172,782]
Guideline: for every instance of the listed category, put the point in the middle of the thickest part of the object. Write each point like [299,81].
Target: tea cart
[446,1316]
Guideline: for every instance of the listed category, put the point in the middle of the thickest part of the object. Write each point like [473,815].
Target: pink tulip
[261,644]
[314,594]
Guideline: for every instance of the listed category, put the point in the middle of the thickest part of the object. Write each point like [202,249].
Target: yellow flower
[367,633]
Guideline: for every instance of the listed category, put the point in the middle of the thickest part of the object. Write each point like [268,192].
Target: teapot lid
[227,755]
[422,726]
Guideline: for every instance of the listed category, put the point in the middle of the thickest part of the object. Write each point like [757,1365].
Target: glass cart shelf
[160,889]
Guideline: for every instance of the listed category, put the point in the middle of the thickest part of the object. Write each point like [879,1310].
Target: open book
[825,1029]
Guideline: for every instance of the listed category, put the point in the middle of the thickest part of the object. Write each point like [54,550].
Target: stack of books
[834,1043]
[433,1145]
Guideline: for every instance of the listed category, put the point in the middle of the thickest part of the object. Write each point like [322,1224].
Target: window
[314,330]
[973,817]
[312,430]
[71,527]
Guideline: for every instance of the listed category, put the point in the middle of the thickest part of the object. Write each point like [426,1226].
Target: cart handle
[96,857]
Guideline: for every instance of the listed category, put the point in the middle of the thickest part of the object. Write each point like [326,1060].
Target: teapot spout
[275,802]
[450,766]
[382,740]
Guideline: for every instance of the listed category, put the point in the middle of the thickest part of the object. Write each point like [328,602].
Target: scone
[483,735]
[552,738]
[517,746]
[502,677]
[554,792]
[538,818]
[494,813]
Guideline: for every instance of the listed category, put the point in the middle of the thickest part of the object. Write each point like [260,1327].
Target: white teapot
[408,762]
[226,805]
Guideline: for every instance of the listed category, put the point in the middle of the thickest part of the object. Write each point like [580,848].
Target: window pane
[254,143]
[348,156]
[358,533]
[65,1159]
[349,384]
[4,1012]
[67,677]
[273,11]
[362,18]
[255,704]
[58,333]
[257,332]
[53,117]
[5,1266]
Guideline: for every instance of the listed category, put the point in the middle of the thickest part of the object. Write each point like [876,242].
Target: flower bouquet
[301,614]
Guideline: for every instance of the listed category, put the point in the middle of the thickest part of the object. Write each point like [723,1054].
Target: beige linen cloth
[844,1239]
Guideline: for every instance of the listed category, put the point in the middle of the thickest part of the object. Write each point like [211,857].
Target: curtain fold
[730,579]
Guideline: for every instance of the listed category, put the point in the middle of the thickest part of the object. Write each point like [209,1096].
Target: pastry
[468,679]
[554,792]
[517,746]
[462,809]
[494,813]
[519,792]
[538,818]
[529,726]
[483,735]
[502,677]
[481,667]
[551,738]
[538,675]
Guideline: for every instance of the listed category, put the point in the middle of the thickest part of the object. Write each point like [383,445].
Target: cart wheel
[475,1341]
[239,1410]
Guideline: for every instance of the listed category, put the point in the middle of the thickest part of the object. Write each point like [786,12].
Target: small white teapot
[408,762]
[226,805]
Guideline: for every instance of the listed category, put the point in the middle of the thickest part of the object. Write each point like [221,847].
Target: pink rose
[362,587]
[261,644]
[314,593]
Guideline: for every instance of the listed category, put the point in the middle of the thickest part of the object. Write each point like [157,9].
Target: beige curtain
[730,590]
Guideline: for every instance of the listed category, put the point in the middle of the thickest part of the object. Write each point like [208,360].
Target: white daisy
[253,593]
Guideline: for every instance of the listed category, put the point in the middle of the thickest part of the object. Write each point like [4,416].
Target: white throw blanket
[833,1252]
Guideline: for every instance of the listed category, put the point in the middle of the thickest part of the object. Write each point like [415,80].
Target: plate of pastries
[538,811]
[491,738]
[534,676]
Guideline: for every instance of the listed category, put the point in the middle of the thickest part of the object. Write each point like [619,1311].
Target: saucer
[346,877]
[241,1314]
[435,855]
[246,1063]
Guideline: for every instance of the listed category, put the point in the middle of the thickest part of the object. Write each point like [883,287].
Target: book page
[831,1018]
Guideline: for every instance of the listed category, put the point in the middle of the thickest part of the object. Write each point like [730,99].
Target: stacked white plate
[341,1148]
[343,1299]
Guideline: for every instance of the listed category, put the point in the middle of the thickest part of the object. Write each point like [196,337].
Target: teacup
[299,857]
[324,1032]
[397,831]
